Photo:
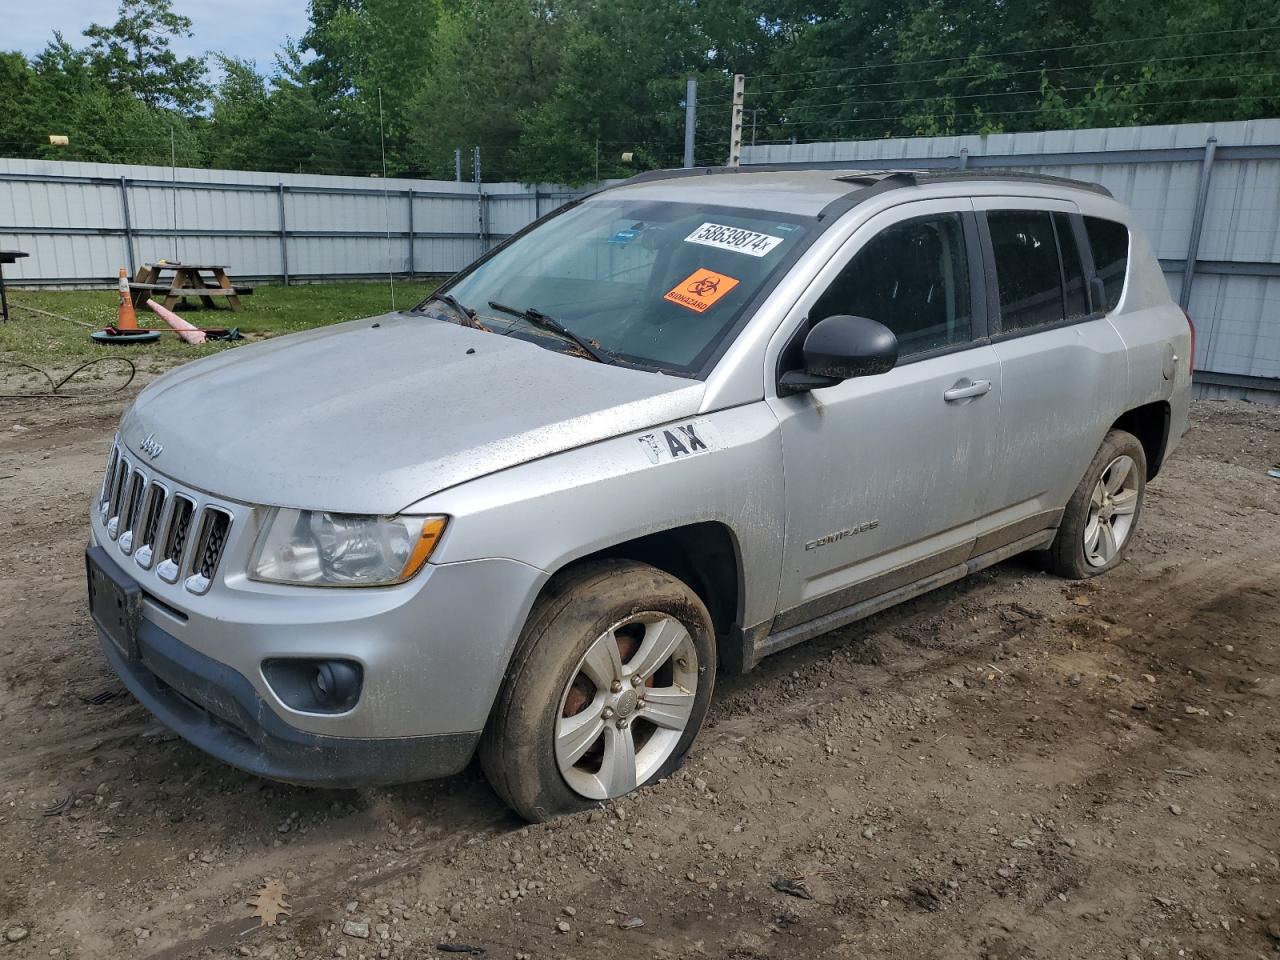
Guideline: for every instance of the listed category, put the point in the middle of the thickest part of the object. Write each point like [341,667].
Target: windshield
[657,285]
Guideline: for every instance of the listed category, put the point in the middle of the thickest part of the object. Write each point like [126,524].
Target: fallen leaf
[793,887]
[1082,601]
[269,903]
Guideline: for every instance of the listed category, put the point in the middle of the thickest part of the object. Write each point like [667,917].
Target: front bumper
[217,709]
[433,653]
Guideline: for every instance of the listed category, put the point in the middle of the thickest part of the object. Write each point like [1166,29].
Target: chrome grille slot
[131,511]
[214,524]
[118,489]
[149,524]
[109,478]
[175,538]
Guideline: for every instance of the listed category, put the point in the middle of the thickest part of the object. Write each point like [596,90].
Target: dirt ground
[1013,767]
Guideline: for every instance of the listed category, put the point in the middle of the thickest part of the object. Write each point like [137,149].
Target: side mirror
[840,348]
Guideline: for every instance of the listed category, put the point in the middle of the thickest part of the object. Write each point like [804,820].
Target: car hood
[372,415]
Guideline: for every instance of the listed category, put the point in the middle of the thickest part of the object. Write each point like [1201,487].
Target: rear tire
[607,689]
[1102,515]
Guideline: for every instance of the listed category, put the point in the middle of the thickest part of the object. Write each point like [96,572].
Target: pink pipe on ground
[185,330]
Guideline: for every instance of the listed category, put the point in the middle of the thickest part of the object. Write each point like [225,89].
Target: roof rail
[867,178]
[922,177]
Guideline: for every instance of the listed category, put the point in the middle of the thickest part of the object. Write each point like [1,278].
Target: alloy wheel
[626,706]
[1112,509]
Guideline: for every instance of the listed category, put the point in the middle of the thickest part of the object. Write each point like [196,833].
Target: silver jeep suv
[672,428]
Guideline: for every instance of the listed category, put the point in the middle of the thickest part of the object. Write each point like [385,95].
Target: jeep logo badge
[151,446]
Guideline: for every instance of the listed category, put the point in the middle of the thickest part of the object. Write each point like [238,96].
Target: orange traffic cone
[126,319]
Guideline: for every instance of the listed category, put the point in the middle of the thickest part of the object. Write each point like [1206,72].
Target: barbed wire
[998,113]
[1014,53]
[750,92]
[1036,90]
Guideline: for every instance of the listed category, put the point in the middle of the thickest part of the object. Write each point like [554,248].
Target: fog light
[335,682]
[315,686]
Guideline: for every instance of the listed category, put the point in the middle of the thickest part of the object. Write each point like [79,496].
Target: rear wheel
[1102,514]
[608,687]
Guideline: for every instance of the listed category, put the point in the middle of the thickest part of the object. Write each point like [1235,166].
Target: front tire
[608,687]
[1101,516]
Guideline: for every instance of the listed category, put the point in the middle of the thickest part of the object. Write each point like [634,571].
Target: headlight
[342,549]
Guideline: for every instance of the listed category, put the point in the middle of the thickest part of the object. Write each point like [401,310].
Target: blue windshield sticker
[624,236]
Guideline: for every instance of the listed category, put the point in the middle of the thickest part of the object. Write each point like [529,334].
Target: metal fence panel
[1156,170]
[82,221]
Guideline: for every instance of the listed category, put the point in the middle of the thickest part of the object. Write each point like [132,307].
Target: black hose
[54,386]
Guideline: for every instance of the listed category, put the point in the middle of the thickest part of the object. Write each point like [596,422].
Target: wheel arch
[706,555]
[1150,424]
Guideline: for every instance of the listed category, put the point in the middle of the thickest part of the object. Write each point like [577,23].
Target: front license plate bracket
[115,603]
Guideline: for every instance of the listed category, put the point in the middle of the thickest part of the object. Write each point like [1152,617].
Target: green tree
[134,55]
[491,62]
[20,131]
[370,55]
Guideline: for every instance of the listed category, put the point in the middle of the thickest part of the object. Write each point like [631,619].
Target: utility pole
[457,164]
[690,119]
[480,200]
[173,178]
[735,127]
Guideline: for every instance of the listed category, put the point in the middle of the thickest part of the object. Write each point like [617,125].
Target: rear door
[884,475]
[1063,366]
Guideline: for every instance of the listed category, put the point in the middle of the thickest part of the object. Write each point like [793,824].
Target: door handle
[966,389]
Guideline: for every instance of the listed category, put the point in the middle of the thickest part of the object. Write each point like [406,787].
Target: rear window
[1110,244]
[1027,271]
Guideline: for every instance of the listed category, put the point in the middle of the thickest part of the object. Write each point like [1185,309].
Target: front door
[885,475]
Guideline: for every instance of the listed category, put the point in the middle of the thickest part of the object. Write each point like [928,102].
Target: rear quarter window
[1110,244]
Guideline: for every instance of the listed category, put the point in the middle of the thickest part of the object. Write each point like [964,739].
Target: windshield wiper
[548,322]
[467,316]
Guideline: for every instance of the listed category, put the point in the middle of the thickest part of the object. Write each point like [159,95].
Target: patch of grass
[58,345]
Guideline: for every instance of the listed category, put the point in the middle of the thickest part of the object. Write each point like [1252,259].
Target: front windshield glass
[656,285]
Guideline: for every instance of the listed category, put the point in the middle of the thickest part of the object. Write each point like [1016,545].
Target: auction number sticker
[733,238]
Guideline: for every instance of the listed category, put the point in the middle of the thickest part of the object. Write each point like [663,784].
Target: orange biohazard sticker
[700,290]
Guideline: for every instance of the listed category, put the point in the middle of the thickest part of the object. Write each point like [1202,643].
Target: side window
[1077,300]
[1110,244]
[914,278]
[1027,272]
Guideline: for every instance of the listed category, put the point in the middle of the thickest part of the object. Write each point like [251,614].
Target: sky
[251,29]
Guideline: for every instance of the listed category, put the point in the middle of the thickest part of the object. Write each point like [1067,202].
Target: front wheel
[607,689]
[1102,514]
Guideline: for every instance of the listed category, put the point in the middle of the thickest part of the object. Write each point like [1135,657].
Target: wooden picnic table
[203,280]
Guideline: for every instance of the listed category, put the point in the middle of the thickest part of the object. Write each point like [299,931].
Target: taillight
[1191,358]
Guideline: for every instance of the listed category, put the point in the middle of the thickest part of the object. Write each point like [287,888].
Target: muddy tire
[607,689]
[1103,512]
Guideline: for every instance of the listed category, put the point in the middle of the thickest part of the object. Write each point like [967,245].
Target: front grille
[178,533]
